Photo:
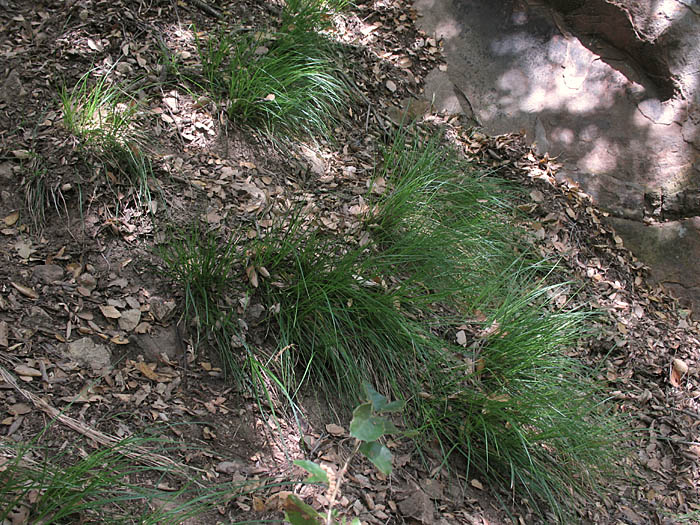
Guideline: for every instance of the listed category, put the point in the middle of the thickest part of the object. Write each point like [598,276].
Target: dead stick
[206,8]
[139,454]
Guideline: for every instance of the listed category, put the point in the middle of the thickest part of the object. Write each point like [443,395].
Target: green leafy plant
[368,426]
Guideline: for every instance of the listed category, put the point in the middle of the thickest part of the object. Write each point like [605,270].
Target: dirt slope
[88,322]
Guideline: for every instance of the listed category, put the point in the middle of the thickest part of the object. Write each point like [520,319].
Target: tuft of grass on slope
[440,304]
[283,83]
[99,113]
[438,209]
[204,266]
[337,316]
[38,485]
[442,258]
[305,17]
[102,117]
[40,192]
[523,414]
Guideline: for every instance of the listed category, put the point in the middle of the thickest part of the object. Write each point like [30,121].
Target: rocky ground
[88,320]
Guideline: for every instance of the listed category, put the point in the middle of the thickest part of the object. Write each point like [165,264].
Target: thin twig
[137,453]
[339,481]
[686,412]
[206,8]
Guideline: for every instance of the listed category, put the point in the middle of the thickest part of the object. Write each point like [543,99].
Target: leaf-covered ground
[88,321]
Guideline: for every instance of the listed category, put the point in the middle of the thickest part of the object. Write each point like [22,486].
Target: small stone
[228,467]
[86,352]
[47,273]
[162,309]
[87,281]
[124,68]
[158,341]
[129,319]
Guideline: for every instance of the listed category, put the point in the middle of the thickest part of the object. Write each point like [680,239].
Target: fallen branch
[206,8]
[136,453]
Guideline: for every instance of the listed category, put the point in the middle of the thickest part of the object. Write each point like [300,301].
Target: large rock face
[611,87]
[662,36]
[662,39]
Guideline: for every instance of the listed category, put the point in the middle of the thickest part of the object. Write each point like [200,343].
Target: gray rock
[671,249]
[47,273]
[88,353]
[160,340]
[626,129]
[129,319]
[6,171]
[38,318]
[12,87]
[230,467]
[440,92]
[162,309]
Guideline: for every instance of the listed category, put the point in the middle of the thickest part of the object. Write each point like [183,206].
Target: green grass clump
[204,267]
[305,17]
[102,117]
[341,325]
[100,114]
[441,256]
[40,191]
[96,487]
[284,83]
[450,221]
[106,485]
[523,414]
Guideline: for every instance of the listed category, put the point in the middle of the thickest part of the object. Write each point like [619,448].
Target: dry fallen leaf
[24,370]
[252,276]
[19,409]
[11,218]
[3,334]
[110,312]
[678,369]
[335,430]
[24,290]
[148,370]
[130,319]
